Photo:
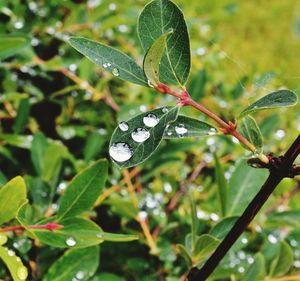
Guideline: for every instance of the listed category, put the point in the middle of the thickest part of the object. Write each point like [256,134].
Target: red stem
[51,226]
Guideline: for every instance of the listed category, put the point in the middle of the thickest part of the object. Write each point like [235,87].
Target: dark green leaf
[77,264]
[256,271]
[39,147]
[22,116]
[83,191]
[182,251]
[14,264]
[205,245]
[12,44]
[12,196]
[243,185]
[221,229]
[107,277]
[110,59]
[135,140]
[276,99]
[197,85]
[157,18]
[185,127]
[249,129]
[284,261]
[153,57]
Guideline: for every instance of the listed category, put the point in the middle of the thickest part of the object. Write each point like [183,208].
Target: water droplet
[250,260]
[11,253]
[112,7]
[150,120]
[143,108]
[80,275]
[180,129]
[244,240]
[105,65]
[100,235]
[165,110]
[120,152]
[115,72]
[140,135]
[123,126]
[241,269]
[212,131]
[22,272]
[71,242]
[18,259]
[142,215]
[280,134]
[169,133]
[272,239]
[19,24]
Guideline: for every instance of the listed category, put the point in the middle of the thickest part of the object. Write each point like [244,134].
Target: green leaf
[110,59]
[284,260]
[194,228]
[83,191]
[287,218]
[197,85]
[115,237]
[123,207]
[243,185]
[185,127]
[135,140]
[183,252]
[282,98]
[77,264]
[39,147]
[249,129]
[107,277]
[153,57]
[14,264]
[93,146]
[12,196]
[222,185]
[157,18]
[256,271]
[221,229]
[12,44]
[22,116]
[205,245]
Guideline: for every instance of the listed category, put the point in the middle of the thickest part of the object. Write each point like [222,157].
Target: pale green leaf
[110,59]
[256,271]
[183,252]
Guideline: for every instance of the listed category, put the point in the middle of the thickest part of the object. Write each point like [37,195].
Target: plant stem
[279,169]
[49,226]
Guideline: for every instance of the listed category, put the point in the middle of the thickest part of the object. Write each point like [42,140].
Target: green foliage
[12,44]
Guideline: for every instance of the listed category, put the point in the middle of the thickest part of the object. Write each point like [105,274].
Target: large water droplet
[123,126]
[80,275]
[120,152]
[212,131]
[140,135]
[71,242]
[165,110]
[115,72]
[180,129]
[150,120]
[22,272]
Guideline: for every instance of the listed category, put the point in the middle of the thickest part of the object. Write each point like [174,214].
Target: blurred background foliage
[59,107]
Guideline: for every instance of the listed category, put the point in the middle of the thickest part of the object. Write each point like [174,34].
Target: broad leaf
[110,59]
[153,57]
[243,185]
[221,229]
[12,44]
[276,99]
[256,271]
[135,140]
[157,18]
[75,264]
[14,264]
[83,191]
[205,245]
[185,127]
[284,260]
[249,129]
[12,196]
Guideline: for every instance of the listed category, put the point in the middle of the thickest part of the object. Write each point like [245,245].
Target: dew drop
[80,275]
[105,65]
[71,242]
[272,239]
[165,110]
[11,253]
[22,272]
[120,152]
[169,133]
[212,131]
[115,72]
[140,135]
[180,129]
[123,126]
[150,120]
[100,235]
[142,215]
[18,259]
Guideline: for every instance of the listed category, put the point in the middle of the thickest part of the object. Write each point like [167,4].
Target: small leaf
[39,147]
[276,99]
[83,191]
[221,229]
[205,245]
[284,260]
[156,19]
[93,146]
[135,140]
[185,127]
[14,264]
[287,218]
[243,185]
[22,116]
[153,57]
[249,129]
[115,237]
[12,44]
[182,251]
[256,271]
[12,196]
[77,264]
[110,59]
[197,85]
